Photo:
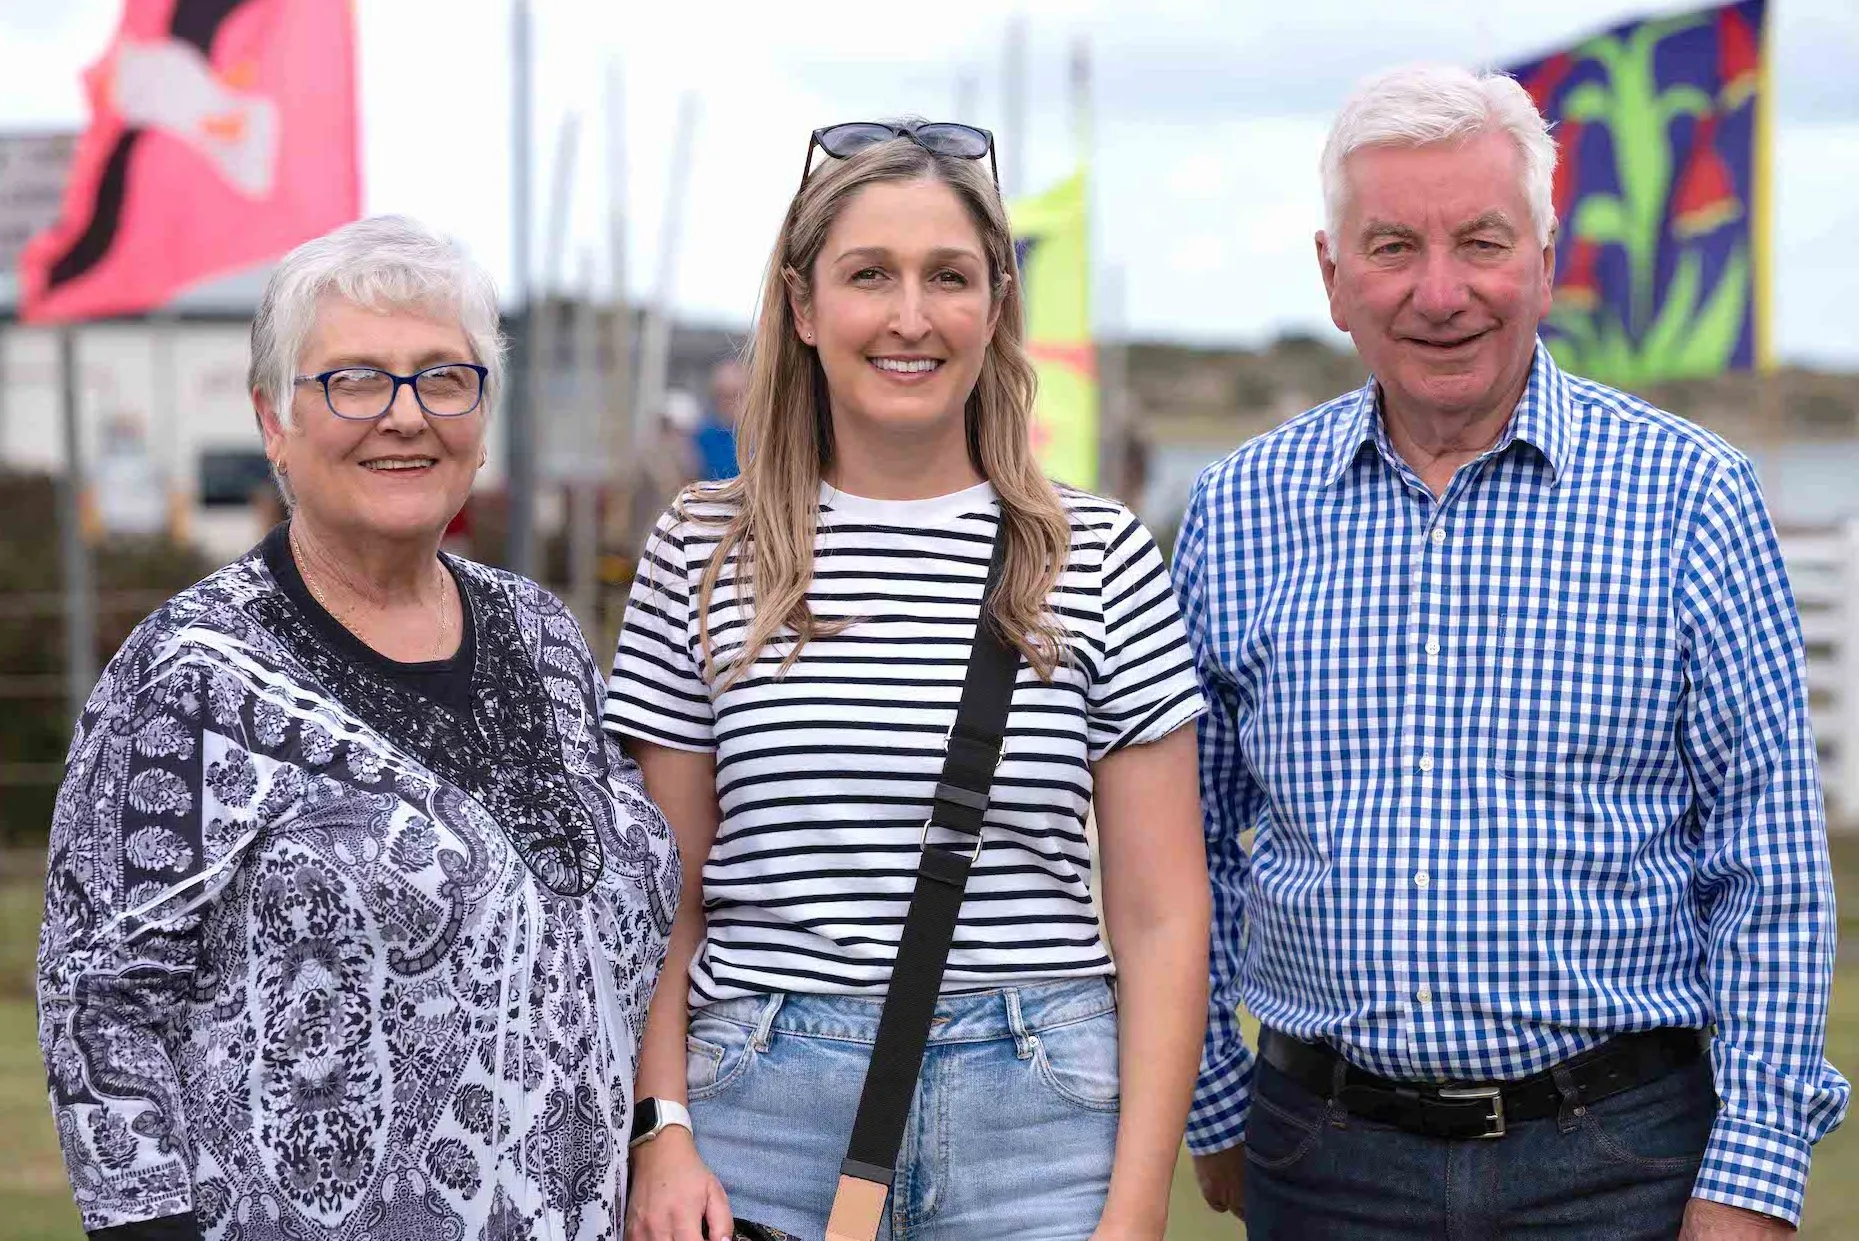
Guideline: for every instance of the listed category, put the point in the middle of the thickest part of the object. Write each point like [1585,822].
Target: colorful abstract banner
[1053,249]
[222,133]
[1662,195]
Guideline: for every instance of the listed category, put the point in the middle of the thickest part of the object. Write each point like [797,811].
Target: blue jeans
[1618,1170]
[1011,1135]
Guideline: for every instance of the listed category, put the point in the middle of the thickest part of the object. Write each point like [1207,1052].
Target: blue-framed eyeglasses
[936,137]
[365,393]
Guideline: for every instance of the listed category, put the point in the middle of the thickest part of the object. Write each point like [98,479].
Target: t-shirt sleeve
[657,692]
[1145,686]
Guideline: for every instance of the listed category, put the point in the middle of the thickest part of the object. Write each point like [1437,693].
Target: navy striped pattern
[825,775]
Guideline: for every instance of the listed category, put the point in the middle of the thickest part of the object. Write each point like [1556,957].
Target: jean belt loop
[1023,1040]
[1339,1077]
[1571,1098]
[765,1026]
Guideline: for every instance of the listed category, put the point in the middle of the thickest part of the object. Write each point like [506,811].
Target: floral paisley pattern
[327,959]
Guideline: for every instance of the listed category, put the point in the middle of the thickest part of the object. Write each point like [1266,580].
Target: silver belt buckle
[1493,1093]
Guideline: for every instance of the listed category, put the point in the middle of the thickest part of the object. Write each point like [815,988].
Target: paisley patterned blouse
[328,958]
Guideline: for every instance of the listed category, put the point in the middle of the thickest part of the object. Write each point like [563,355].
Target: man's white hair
[385,262]
[1418,105]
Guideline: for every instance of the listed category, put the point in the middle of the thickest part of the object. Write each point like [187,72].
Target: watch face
[645,1117]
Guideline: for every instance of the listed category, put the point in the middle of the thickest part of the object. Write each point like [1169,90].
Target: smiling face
[900,312]
[1438,276]
[401,477]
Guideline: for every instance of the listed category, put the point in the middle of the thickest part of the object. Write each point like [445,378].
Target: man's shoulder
[1639,421]
[1261,461]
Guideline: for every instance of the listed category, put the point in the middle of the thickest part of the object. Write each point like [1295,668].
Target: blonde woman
[788,670]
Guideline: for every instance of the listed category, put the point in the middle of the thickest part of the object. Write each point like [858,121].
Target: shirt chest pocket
[1576,695]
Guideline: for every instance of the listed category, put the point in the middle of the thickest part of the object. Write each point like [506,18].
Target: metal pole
[965,91]
[5,341]
[622,432]
[1846,662]
[519,414]
[74,554]
[655,348]
[1113,371]
[584,479]
[165,444]
[1013,110]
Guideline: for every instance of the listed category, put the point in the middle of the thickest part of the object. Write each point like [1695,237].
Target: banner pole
[519,390]
[73,553]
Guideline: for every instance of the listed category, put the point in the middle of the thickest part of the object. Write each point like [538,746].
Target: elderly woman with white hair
[353,910]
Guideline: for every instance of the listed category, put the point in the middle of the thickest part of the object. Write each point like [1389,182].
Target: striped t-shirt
[825,775]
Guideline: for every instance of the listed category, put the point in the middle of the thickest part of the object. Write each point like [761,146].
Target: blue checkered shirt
[1527,765]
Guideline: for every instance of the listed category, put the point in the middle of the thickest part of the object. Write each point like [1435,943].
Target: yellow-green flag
[1054,255]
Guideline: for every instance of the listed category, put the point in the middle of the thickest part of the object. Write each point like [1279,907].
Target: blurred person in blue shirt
[715,438]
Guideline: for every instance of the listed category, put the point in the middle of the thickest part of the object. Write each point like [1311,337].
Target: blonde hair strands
[785,433]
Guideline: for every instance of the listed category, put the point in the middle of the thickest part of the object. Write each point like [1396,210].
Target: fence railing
[1823,568]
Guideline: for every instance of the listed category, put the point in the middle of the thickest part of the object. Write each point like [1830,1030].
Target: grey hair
[1418,105]
[382,262]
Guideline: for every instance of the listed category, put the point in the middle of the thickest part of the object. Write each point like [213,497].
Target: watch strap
[665,1113]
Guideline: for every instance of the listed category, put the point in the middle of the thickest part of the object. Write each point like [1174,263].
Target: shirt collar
[1543,419]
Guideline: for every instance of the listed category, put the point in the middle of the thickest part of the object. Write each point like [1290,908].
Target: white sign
[33,170]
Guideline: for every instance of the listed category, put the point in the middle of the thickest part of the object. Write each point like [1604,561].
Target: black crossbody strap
[951,843]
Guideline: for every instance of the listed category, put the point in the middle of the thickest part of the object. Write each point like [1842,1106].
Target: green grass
[35,1202]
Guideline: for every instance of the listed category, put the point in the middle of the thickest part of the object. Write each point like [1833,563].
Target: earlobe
[797,304]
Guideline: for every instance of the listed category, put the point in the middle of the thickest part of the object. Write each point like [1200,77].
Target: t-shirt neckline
[930,510]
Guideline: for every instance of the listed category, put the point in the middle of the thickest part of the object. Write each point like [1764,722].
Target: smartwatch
[652,1115]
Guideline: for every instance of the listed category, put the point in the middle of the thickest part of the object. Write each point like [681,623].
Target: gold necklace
[342,615]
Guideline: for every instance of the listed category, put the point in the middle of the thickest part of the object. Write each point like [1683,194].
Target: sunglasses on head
[936,137]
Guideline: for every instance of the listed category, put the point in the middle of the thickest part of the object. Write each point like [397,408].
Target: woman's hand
[673,1196]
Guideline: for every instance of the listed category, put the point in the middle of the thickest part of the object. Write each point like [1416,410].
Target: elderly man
[1507,682]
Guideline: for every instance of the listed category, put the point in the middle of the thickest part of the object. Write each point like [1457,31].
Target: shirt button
[1424,995]
[1432,646]
[1439,535]
[1422,879]
[1426,764]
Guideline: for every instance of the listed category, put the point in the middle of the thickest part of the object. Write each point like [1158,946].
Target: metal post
[585,476]
[655,347]
[620,426]
[965,91]
[74,554]
[519,412]
[1113,392]
[1846,756]
[1013,111]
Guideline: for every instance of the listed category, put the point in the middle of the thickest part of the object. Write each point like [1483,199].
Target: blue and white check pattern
[1527,765]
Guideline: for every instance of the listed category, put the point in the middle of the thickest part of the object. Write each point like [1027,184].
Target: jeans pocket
[1281,1129]
[1662,1126]
[1275,1139]
[715,1054]
[1079,1061]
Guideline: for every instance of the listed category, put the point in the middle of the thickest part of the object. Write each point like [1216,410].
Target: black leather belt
[1475,1109]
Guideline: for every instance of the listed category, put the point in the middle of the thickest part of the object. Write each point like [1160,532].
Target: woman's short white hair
[1418,105]
[385,262]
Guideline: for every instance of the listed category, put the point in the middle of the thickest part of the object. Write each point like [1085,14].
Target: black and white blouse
[341,948]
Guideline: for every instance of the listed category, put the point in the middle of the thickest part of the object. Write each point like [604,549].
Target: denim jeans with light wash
[1011,1135]
[1620,1169]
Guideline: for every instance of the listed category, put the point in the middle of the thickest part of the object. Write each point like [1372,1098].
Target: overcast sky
[1209,115]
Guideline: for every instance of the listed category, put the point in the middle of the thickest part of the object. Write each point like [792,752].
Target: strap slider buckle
[1494,1093]
[923,841]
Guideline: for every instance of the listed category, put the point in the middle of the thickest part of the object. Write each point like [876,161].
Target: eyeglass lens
[364,392]
[844,141]
[945,138]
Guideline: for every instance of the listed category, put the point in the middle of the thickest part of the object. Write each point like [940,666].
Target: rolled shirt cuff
[1222,1097]
[1754,1167]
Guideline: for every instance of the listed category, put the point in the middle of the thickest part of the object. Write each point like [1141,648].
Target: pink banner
[223,132]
